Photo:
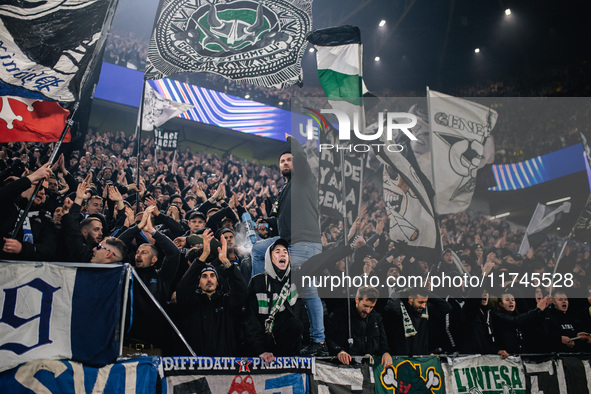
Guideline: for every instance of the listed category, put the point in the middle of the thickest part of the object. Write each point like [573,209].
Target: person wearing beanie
[211,314]
[274,306]
[296,218]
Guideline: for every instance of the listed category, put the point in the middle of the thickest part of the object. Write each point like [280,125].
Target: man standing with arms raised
[297,220]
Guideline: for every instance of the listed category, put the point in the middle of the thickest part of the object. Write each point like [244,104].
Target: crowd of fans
[127,50]
[189,228]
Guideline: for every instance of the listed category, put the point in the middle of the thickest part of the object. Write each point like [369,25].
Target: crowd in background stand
[97,183]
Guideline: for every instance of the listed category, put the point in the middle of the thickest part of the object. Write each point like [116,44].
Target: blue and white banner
[137,375]
[50,311]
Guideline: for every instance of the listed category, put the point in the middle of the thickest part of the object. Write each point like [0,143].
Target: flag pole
[138,134]
[24,213]
[162,311]
[560,257]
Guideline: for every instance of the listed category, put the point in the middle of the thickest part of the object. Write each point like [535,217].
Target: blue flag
[52,311]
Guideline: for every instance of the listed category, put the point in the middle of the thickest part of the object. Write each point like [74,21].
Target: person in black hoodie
[36,240]
[477,334]
[561,327]
[367,330]
[211,316]
[508,324]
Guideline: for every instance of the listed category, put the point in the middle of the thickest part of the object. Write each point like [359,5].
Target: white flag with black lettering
[460,130]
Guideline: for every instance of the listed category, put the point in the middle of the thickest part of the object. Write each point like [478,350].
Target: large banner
[486,375]
[330,180]
[51,311]
[342,379]
[247,375]
[49,48]
[261,43]
[410,376]
[460,130]
[544,377]
[138,375]
[175,366]
[288,383]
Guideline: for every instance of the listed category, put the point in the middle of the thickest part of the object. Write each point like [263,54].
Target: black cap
[281,242]
[197,214]
[223,231]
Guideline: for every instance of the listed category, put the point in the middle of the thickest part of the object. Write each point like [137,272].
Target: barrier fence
[60,332]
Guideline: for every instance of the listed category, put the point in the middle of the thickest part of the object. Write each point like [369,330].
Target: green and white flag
[338,56]
[487,375]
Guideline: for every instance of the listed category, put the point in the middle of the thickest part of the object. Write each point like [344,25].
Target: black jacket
[508,329]
[477,334]
[369,336]
[303,224]
[42,226]
[158,280]
[422,342]
[210,323]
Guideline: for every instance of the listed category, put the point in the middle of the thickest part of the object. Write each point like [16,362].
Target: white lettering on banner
[345,125]
[25,375]
[12,311]
[35,307]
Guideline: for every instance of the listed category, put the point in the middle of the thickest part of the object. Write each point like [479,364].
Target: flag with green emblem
[256,42]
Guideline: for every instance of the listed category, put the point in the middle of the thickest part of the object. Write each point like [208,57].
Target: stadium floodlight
[382,23]
[507,12]
[377,59]
[501,215]
[557,201]
[477,50]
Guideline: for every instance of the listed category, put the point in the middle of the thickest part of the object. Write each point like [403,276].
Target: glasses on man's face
[100,246]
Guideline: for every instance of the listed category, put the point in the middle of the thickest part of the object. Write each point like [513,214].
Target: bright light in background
[557,201]
[247,96]
[501,215]
[377,59]
[507,12]
[281,103]
[477,50]
[382,23]
[311,50]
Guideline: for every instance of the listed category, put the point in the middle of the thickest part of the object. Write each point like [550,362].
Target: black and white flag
[166,140]
[330,188]
[460,130]
[541,223]
[158,109]
[257,42]
[582,228]
[49,48]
